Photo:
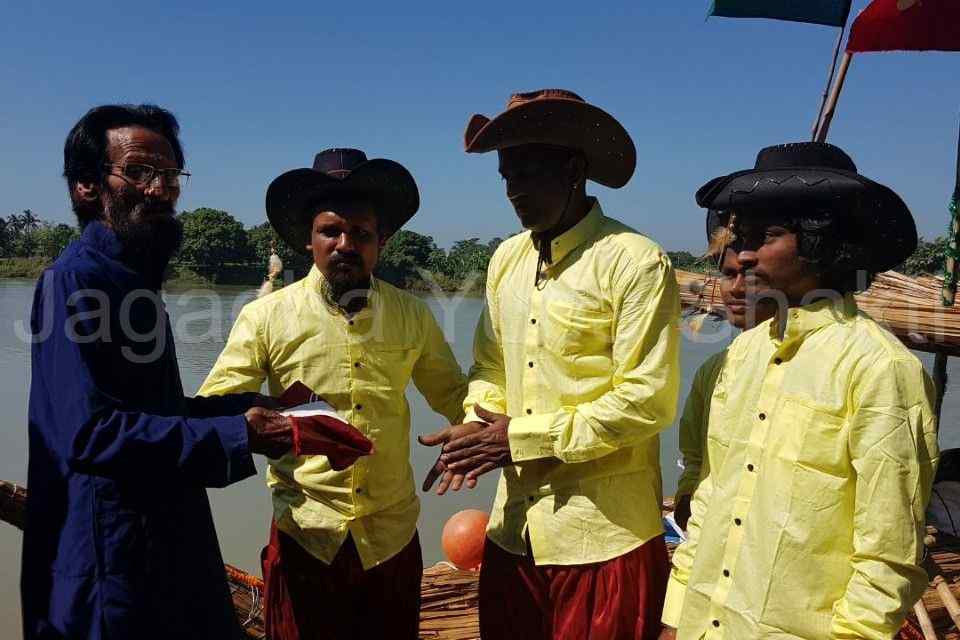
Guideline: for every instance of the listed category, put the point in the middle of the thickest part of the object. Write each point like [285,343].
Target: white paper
[317,408]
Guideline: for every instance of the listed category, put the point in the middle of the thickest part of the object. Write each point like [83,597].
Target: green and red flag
[832,13]
[907,25]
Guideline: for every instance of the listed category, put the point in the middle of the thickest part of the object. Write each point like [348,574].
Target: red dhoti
[620,599]
[306,599]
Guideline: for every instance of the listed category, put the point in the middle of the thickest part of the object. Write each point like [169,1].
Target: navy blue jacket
[119,540]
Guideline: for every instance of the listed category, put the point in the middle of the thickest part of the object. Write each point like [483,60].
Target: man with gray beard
[119,540]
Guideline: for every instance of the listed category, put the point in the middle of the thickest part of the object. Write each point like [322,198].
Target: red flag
[907,25]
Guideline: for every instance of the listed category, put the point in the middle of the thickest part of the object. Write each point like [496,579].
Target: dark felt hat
[564,119]
[336,172]
[818,176]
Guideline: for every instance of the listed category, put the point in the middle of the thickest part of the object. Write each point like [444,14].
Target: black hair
[85,150]
[829,244]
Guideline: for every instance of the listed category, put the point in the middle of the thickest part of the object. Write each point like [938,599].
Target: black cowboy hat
[818,176]
[564,119]
[334,172]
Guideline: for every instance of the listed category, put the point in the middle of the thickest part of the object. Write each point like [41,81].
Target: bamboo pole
[826,89]
[949,601]
[926,625]
[940,383]
[949,292]
[951,263]
[831,107]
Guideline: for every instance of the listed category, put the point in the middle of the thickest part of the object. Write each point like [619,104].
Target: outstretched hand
[448,479]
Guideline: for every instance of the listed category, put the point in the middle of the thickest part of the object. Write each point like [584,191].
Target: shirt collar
[802,321]
[102,238]
[586,229]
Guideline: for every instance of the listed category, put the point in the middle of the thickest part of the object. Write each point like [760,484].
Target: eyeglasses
[143,175]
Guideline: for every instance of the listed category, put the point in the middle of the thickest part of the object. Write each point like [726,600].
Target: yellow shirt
[809,520]
[361,366]
[587,366]
[693,423]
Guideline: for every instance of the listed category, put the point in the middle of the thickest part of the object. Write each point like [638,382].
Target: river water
[202,320]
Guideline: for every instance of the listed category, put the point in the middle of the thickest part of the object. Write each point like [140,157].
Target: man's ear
[86,192]
[578,167]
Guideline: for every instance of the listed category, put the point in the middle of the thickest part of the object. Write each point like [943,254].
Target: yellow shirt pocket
[577,331]
[814,440]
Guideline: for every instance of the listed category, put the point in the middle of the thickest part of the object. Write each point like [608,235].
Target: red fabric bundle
[326,436]
[323,433]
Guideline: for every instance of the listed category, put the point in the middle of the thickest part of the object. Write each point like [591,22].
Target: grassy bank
[23,267]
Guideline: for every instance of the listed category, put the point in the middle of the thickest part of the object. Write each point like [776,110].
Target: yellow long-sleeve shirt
[361,365]
[587,366]
[809,520]
[693,423]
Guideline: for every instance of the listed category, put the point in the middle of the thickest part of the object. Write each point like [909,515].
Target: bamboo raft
[908,307]
[449,596]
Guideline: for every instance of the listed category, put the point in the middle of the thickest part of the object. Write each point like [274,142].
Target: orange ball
[463,538]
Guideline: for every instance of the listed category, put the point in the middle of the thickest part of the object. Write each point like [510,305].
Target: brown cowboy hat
[340,171]
[564,119]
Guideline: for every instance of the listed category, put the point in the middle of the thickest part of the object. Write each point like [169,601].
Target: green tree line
[217,246]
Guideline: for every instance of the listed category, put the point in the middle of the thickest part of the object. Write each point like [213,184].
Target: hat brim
[388,182]
[883,221]
[611,155]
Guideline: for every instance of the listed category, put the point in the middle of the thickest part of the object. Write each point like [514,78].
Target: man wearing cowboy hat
[576,374]
[809,521]
[742,313]
[344,559]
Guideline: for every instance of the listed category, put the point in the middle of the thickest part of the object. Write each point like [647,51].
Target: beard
[345,287]
[148,231]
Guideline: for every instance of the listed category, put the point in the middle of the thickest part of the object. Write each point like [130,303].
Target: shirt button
[350,322]
[737,521]
[749,467]
[778,361]
[716,623]
[726,574]
[359,490]
[358,407]
[356,364]
[530,364]
[533,321]
[529,412]
[762,416]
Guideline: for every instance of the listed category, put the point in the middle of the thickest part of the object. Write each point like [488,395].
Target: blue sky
[260,87]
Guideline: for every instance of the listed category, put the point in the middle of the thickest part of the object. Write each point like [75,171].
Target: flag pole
[831,105]
[953,239]
[826,89]
[949,292]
